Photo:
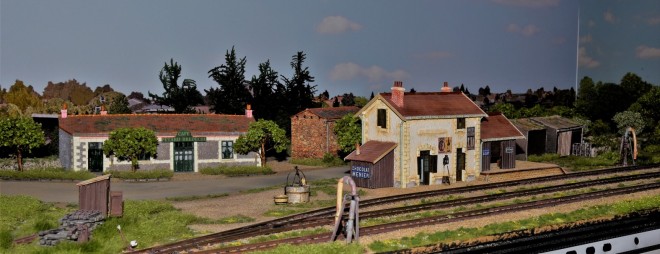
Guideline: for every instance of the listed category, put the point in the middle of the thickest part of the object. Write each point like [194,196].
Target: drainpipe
[401,152]
[327,137]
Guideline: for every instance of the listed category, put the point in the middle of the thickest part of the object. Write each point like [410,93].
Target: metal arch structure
[628,148]
[352,226]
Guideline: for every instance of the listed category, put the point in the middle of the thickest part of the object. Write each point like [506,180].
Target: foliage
[128,143]
[233,95]
[119,105]
[143,174]
[268,93]
[348,99]
[328,160]
[236,170]
[260,134]
[21,134]
[361,101]
[70,90]
[349,132]
[182,98]
[46,174]
[505,108]
[627,119]
[22,96]
[298,88]
[647,105]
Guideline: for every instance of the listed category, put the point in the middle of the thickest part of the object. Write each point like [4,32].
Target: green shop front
[184,150]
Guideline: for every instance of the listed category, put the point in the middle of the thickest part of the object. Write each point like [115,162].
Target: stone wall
[208,150]
[73,226]
[65,148]
[163,150]
[312,136]
[144,165]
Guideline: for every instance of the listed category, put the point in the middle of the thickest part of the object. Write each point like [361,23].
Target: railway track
[434,220]
[318,217]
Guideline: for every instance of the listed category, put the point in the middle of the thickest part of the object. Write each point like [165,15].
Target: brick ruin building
[312,133]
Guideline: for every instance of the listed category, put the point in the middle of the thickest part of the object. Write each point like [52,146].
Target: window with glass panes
[470,138]
[227,149]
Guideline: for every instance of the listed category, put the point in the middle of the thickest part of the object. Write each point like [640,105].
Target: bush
[47,173]
[236,170]
[6,239]
[142,174]
[329,160]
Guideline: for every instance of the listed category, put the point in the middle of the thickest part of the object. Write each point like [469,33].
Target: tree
[487,90]
[70,90]
[349,132]
[325,95]
[22,96]
[412,90]
[634,86]
[183,98]
[372,96]
[103,89]
[348,99]
[505,108]
[233,96]
[127,144]
[266,90]
[361,101]
[21,134]
[2,95]
[300,93]
[136,95]
[261,135]
[647,105]
[627,119]
[119,105]
[335,102]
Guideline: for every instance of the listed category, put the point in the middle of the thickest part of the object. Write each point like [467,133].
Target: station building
[424,138]
[186,142]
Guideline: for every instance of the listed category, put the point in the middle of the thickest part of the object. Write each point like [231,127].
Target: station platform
[523,169]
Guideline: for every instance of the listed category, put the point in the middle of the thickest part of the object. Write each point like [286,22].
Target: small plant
[46,174]
[235,219]
[142,174]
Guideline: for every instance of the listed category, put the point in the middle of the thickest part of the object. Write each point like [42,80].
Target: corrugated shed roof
[525,125]
[556,122]
[498,127]
[332,113]
[435,104]
[372,151]
[165,124]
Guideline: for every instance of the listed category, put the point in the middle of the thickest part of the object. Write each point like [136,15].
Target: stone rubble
[71,227]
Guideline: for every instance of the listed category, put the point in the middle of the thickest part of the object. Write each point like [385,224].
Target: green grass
[234,219]
[462,234]
[328,160]
[196,197]
[236,170]
[578,163]
[257,190]
[325,248]
[148,222]
[142,174]
[47,174]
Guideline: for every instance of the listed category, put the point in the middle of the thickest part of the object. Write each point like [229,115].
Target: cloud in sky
[337,25]
[527,30]
[434,55]
[645,52]
[348,71]
[529,3]
[586,39]
[653,20]
[609,16]
[586,61]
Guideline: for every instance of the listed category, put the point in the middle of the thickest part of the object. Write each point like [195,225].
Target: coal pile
[76,226]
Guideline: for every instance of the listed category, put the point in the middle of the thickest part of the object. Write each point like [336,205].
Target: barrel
[298,194]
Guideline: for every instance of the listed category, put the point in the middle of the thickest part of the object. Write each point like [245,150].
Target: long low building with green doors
[186,142]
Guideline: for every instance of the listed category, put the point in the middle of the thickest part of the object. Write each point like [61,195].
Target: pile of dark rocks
[76,226]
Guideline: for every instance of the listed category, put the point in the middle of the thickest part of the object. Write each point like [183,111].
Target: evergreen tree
[335,103]
[183,98]
[233,95]
[119,105]
[266,101]
[325,95]
[348,99]
[372,95]
[22,96]
[412,90]
[300,93]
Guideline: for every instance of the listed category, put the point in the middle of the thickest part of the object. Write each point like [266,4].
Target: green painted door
[95,157]
[184,159]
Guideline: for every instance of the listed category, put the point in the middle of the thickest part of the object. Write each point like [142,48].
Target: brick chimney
[248,111]
[357,148]
[103,111]
[445,88]
[397,93]
[64,110]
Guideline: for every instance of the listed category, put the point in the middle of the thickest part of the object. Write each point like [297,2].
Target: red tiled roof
[435,104]
[333,113]
[372,151]
[165,124]
[498,127]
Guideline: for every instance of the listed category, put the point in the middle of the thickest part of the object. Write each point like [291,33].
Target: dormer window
[382,118]
[460,123]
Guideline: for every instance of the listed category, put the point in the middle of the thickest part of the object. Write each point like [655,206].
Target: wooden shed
[535,137]
[561,134]
[372,164]
[498,137]
[94,194]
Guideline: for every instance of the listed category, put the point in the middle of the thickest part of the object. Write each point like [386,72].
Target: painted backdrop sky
[351,46]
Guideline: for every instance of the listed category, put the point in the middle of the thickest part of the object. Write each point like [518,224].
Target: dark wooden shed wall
[508,154]
[485,159]
[382,173]
[95,196]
